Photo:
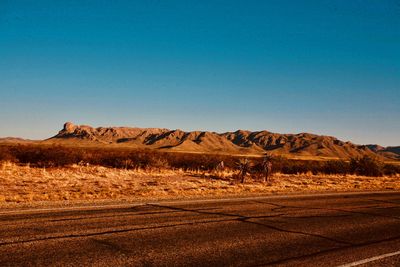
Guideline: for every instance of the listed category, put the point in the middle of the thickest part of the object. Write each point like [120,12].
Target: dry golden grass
[23,184]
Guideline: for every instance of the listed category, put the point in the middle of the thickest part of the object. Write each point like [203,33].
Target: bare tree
[244,167]
[267,168]
[219,169]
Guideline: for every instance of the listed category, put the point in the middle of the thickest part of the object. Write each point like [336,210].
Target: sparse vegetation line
[48,156]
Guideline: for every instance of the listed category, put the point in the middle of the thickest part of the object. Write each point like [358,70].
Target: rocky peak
[69,127]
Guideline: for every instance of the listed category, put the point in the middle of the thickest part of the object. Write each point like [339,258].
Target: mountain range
[302,145]
[238,142]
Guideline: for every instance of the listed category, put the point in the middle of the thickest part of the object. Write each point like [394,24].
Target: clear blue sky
[327,67]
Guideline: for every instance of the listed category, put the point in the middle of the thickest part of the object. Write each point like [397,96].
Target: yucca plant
[243,166]
[267,167]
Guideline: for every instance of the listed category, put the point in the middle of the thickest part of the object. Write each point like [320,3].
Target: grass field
[24,184]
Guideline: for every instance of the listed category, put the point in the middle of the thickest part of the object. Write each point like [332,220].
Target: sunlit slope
[238,142]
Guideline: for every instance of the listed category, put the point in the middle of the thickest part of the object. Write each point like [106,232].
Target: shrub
[6,155]
[367,166]
[336,167]
[390,169]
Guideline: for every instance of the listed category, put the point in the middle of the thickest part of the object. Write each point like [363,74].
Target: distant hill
[392,152]
[14,140]
[238,142]
[393,149]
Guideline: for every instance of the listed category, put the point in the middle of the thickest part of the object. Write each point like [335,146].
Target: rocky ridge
[241,141]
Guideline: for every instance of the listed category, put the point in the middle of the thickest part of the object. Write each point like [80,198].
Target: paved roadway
[315,230]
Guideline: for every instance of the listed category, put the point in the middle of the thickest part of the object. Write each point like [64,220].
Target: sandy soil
[23,184]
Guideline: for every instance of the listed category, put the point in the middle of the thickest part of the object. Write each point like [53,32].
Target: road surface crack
[246,219]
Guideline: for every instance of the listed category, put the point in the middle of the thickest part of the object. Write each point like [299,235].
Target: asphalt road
[314,230]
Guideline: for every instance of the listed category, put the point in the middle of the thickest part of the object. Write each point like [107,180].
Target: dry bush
[6,155]
[367,166]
